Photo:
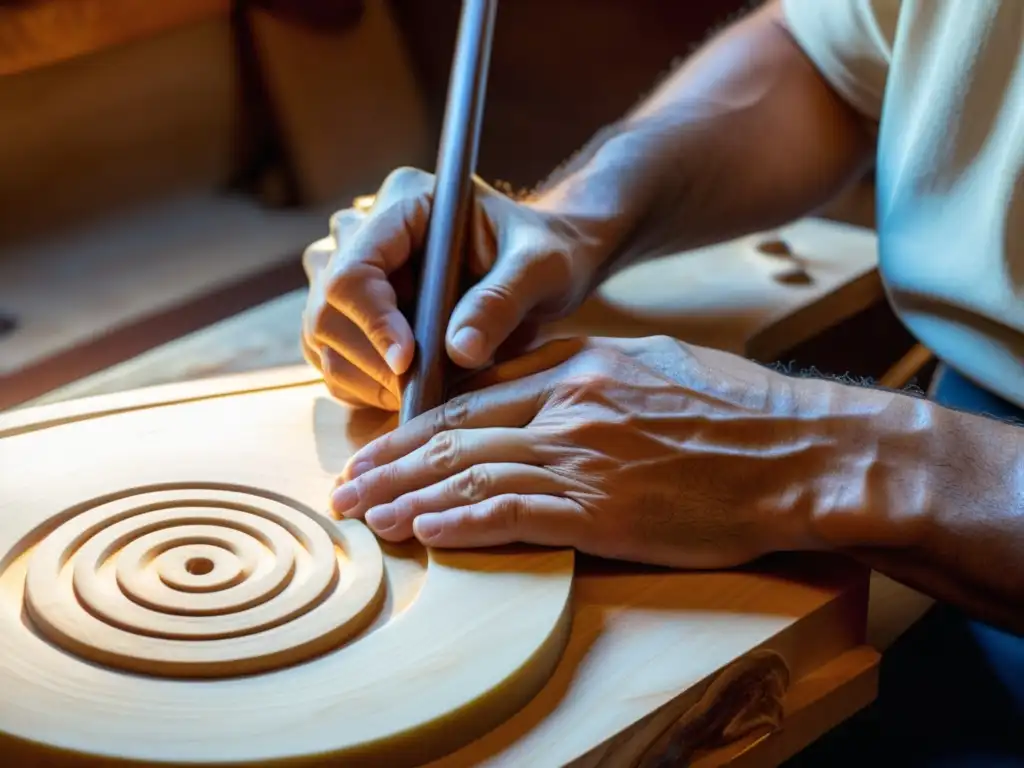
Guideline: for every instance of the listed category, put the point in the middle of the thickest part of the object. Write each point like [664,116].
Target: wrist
[604,192]
[875,489]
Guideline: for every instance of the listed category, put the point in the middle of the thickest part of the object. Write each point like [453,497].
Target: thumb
[494,308]
[547,521]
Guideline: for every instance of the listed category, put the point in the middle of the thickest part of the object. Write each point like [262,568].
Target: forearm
[933,498]
[746,135]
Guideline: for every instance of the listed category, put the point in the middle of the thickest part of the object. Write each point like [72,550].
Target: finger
[358,282]
[505,405]
[336,331]
[363,294]
[551,521]
[445,455]
[352,386]
[394,521]
[311,354]
[490,311]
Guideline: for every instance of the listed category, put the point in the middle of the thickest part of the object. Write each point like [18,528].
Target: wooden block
[346,101]
[739,296]
[124,127]
[447,658]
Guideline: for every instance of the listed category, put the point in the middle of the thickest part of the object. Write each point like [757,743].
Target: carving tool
[452,203]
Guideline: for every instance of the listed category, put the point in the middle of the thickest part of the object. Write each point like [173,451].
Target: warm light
[364,203]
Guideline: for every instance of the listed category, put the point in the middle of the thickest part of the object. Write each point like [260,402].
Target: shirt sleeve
[850,42]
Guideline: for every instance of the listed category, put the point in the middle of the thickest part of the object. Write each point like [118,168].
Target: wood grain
[633,651]
[424,387]
[301,636]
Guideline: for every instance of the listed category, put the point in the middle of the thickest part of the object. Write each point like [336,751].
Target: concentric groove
[202,583]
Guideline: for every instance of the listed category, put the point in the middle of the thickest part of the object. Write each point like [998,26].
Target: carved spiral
[204,582]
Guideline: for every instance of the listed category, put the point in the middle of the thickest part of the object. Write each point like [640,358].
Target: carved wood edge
[744,697]
[20,421]
[750,715]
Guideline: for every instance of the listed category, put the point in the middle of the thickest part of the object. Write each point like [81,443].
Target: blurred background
[164,163]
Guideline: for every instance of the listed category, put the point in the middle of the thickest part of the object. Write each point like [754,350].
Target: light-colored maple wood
[737,297]
[908,366]
[478,652]
[347,101]
[296,635]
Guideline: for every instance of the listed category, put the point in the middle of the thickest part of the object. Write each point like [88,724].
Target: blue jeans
[951,690]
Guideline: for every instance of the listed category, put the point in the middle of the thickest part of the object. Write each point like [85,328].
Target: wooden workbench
[726,296]
[733,297]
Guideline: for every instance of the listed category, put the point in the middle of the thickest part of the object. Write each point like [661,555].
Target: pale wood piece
[725,296]
[737,297]
[301,636]
[102,134]
[489,639]
[347,101]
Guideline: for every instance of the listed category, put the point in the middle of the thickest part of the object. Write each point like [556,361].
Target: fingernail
[381,518]
[388,400]
[470,342]
[360,467]
[393,357]
[344,498]
[426,527]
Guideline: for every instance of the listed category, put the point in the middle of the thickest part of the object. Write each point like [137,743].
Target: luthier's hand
[535,266]
[642,449]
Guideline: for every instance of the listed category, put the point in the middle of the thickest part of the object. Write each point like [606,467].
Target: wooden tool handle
[449,219]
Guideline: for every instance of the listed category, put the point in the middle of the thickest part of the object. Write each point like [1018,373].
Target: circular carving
[153,623]
[202,583]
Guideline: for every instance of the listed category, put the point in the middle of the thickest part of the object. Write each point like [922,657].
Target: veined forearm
[745,135]
[937,503]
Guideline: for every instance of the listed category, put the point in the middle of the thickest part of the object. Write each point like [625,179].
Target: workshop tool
[424,387]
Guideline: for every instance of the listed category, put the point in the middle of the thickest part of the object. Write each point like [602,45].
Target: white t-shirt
[945,80]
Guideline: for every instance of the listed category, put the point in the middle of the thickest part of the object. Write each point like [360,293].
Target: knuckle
[472,485]
[316,256]
[494,297]
[455,412]
[442,452]
[347,283]
[408,178]
[344,277]
[378,330]
[383,477]
[402,183]
[583,382]
[508,511]
[344,222]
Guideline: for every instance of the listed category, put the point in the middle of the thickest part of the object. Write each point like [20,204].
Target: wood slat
[37,33]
